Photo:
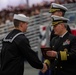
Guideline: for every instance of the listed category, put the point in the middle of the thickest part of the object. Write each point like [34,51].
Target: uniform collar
[63,34]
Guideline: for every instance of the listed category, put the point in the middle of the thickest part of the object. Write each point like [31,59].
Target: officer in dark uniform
[59,10]
[63,49]
[16,48]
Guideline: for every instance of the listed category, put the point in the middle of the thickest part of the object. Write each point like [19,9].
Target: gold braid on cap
[53,9]
[55,23]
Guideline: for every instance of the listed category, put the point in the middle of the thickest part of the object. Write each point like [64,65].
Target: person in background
[16,48]
[59,10]
[63,49]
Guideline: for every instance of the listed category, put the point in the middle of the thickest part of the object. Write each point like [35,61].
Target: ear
[20,24]
[60,13]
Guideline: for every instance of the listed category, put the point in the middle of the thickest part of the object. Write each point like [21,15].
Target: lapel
[60,41]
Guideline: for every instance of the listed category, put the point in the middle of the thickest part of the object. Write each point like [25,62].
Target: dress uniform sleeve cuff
[47,62]
[63,55]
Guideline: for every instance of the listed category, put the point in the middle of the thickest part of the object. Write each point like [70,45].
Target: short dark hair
[17,22]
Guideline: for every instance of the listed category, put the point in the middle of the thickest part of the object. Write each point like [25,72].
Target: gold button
[55,59]
[53,46]
[60,66]
[67,54]
[55,66]
[65,50]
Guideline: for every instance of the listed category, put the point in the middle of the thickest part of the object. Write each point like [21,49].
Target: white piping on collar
[10,40]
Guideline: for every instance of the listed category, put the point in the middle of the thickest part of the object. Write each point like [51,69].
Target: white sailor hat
[57,7]
[57,19]
[21,17]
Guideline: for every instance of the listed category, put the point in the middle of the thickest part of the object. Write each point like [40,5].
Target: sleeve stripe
[47,62]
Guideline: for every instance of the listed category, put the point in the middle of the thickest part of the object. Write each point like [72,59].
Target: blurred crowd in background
[6,15]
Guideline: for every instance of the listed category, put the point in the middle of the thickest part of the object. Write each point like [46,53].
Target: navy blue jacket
[15,49]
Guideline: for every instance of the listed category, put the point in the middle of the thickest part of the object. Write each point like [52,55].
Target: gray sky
[5,3]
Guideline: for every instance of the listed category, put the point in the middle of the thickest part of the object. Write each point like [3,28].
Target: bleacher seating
[33,30]
[70,6]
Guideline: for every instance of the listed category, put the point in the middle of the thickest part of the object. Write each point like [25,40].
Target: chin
[25,31]
[56,33]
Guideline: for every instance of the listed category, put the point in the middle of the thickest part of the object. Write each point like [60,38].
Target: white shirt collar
[63,34]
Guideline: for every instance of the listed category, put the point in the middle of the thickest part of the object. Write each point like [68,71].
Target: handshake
[45,68]
[50,54]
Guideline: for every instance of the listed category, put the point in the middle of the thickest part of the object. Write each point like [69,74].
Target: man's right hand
[45,68]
